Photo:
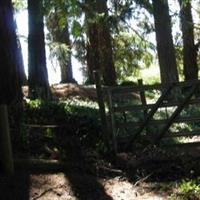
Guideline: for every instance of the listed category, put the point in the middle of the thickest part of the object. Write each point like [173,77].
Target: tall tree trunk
[99,47]
[61,36]
[9,76]
[66,63]
[92,55]
[105,45]
[190,67]
[38,76]
[10,88]
[165,47]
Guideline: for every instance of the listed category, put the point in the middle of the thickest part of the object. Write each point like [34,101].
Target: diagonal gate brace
[151,113]
[176,113]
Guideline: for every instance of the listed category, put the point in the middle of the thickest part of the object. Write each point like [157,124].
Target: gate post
[102,108]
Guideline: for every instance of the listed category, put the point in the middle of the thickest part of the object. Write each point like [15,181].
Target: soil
[68,90]
[73,186]
[88,177]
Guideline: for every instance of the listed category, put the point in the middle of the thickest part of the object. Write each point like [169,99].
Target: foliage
[131,53]
[187,189]
[19,5]
[80,119]
[58,51]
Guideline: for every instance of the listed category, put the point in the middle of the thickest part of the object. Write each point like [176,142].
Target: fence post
[5,141]
[143,99]
[142,96]
[102,108]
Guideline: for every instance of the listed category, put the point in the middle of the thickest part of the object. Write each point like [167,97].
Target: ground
[75,186]
[70,90]
[84,179]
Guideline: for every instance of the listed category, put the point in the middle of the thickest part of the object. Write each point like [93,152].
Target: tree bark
[38,76]
[92,55]
[66,63]
[165,47]
[10,88]
[99,48]
[105,45]
[9,61]
[190,67]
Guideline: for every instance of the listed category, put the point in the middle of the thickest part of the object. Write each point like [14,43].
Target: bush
[79,119]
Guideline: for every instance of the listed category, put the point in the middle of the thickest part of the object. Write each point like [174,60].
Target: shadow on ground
[15,187]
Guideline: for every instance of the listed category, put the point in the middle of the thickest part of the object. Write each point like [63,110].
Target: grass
[187,189]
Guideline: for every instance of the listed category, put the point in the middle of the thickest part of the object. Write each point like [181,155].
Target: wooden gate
[132,118]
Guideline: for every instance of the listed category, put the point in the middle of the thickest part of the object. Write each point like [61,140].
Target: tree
[105,44]
[9,79]
[165,47]
[131,48]
[190,67]
[60,44]
[163,29]
[99,48]
[37,70]
[92,55]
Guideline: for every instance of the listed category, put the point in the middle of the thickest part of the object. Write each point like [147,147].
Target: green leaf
[76,28]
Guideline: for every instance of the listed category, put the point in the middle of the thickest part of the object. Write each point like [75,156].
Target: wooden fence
[129,114]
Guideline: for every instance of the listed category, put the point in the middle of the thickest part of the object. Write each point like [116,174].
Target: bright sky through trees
[53,68]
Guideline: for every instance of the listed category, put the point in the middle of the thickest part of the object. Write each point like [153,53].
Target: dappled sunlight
[50,186]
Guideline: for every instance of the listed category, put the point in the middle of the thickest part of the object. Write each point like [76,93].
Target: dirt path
[69,186]
[59,187]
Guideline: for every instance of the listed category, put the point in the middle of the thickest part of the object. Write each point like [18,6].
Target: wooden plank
[157,122]
[175,114]
[44,125]
[126,89]
[183,134]
[5,142]
[143,98]
[150,106]
[151,113]
[183,145]
[41,165]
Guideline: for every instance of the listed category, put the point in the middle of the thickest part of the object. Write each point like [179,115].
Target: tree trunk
[66,63]
[9,76]
[92,51]
[61,36]
[92,55]
[190,67]
[105,45]
[38,76]
[165,47]
[99,48]
[10,88]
